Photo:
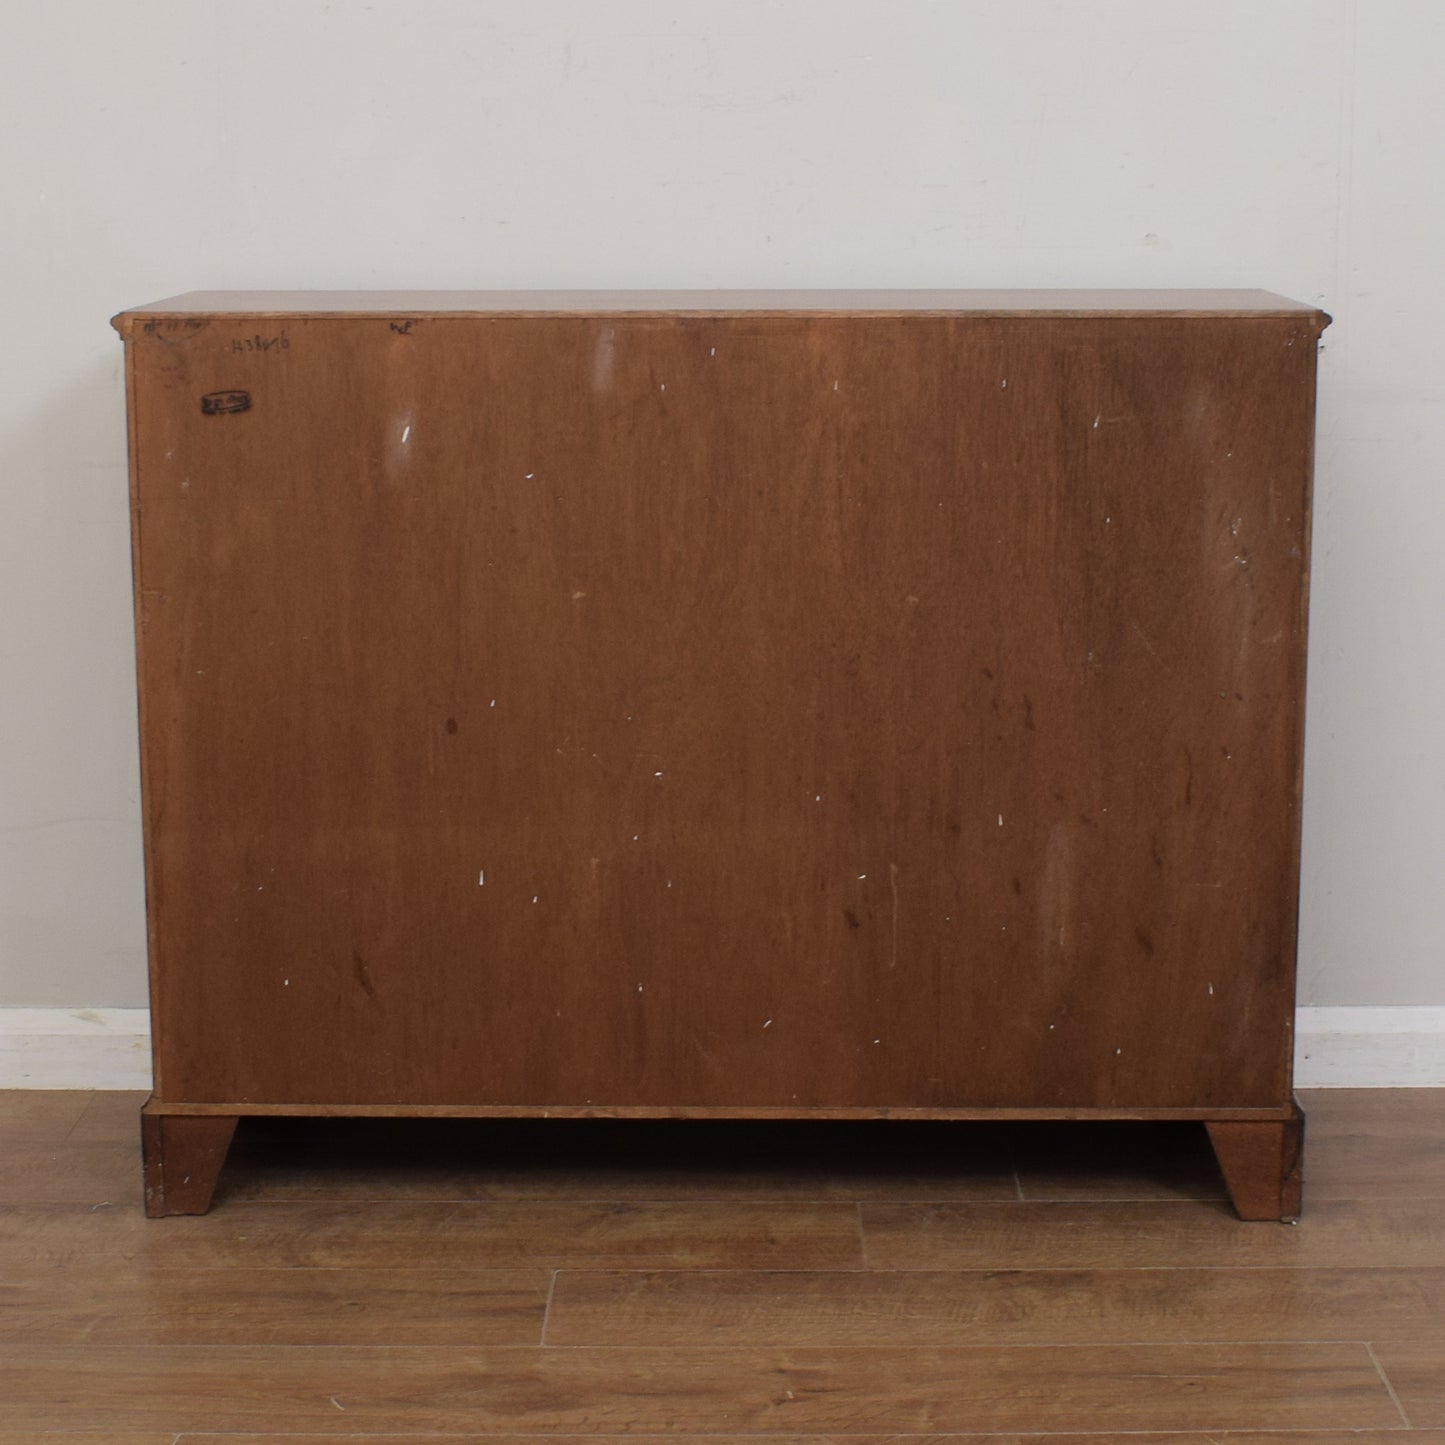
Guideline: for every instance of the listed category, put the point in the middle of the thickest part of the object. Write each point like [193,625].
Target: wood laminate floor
[510,1281]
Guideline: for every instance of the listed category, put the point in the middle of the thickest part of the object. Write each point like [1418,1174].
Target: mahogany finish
[771,709]
[1263,1165]
[183,1158]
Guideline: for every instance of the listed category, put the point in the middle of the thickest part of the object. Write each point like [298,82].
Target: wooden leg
[183,1154]
[1262,1165]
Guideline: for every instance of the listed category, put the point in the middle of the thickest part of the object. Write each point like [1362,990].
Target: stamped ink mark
[222,403]
[402,328]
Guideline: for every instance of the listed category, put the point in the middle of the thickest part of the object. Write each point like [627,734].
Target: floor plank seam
[1288,1434]
[1291,1435]
[1385,1381]
[783,1281]
[720,1347]
[547,1307]
[590,1267]
[75,1122]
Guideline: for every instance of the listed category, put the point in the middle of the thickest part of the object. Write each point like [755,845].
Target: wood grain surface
[1263,1165]
[1417,1370]
[677,1390]
[577,1306]
[1391,1436]
[695,1235]
[993,1306]
[211,1304]
[789,711]
[1396,1233]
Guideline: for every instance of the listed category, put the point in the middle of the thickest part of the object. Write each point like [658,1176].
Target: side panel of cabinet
[775,711]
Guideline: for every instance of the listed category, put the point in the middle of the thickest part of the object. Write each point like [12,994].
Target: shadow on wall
[72,918]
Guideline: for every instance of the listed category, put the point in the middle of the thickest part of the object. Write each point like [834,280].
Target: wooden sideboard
[776,705]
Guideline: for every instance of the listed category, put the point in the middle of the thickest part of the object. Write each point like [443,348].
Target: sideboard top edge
[1057,304]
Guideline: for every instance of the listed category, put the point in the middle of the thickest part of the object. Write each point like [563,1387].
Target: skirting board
[109,1048]
[84,1048]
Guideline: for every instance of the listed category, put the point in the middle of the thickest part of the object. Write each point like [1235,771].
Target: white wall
[161,145]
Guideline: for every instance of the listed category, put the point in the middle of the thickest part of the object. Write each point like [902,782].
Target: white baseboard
[1370,1048]
[84,1048]
[109,1048]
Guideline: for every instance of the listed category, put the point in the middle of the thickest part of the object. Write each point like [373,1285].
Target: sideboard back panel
[801,711]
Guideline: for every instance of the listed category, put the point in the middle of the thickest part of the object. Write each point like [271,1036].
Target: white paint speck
[639,988]
[1000,820]
[493,703]
[338,1404]
[817,797]
[835,386]
[862,876]
[1211,989]
[1003,385]
[767,1023]
[712,351]
[1118,1051]
[405,433]
[1097,419]
[657,775]
[285,983]
[535,896]
[634,837]
[482,879]
[662,386]
[877,1041]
